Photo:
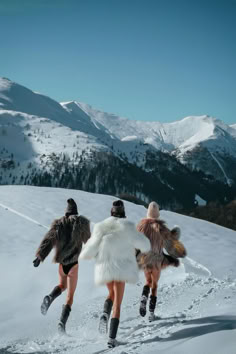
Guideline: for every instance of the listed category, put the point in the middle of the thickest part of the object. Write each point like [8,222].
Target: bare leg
[148,276]
[111,291]
[72,279]
[155,275]
[71,283]
[118,288]
[62,279]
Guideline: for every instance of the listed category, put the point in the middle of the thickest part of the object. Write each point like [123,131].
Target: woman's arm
[90,249]
[47,242]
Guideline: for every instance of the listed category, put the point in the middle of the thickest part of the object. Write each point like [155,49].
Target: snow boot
[112,342]
[66,309]
[103,322]
[152,306]
[144,299]
[48,299]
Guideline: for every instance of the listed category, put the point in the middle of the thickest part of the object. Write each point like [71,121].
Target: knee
[62,287]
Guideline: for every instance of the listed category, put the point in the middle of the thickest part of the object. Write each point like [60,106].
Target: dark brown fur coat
[160,237]
[66,235]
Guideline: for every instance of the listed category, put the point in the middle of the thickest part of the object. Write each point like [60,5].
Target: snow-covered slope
[196,302]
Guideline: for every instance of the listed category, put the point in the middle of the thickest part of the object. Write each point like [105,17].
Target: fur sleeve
[48,242]
[90,249]
[82,228]
[173,246]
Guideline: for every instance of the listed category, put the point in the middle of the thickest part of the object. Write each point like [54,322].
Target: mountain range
[73,145]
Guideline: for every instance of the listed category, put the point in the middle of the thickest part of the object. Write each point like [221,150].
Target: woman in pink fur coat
[155,260]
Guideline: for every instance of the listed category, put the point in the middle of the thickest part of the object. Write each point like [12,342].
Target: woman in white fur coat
[112,244]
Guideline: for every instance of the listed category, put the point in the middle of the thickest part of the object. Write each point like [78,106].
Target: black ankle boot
[103,323]
[144,299]
[66,309]
[113,332]
[152,306]
[48,299]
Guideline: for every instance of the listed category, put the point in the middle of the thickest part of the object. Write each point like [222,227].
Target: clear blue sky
[143,59]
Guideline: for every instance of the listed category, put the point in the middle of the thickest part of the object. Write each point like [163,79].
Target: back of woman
[151,229]
[155,260]
[112,244]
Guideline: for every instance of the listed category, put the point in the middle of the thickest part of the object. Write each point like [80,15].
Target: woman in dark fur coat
[66,235]
[155,260]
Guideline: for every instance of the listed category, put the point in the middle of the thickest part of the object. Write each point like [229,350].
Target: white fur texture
[113,244]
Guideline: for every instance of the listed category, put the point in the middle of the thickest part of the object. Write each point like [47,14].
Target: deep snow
[196,302]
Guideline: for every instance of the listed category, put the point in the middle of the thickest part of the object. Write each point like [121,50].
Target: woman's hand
[36,262]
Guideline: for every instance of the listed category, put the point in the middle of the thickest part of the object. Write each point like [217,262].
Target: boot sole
[103,326]
[61,328]
[142,309]
[45,305]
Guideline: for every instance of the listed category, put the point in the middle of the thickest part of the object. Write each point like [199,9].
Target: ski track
[22,215]
[134,331]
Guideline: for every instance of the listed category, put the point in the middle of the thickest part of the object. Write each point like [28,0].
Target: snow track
[22,215]
[191,297]
[195,310]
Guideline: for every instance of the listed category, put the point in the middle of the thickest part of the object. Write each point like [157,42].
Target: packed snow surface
[196,302]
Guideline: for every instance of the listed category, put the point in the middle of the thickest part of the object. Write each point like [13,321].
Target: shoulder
[105,224]
[127,223]
[58,222]
[162,224]
[82,220]
[148,222]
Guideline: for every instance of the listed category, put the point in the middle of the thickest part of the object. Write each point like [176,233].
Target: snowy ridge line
[23,216]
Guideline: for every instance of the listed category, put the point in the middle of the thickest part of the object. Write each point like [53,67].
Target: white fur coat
[113,244]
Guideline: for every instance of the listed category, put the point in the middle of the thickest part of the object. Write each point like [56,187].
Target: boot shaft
[152,303]
[108,307]
[146,291]
[66,309]
[114,324]
[55,293]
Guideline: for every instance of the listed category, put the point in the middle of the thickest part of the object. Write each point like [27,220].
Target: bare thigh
[62,278]
[111,290]
[72,279]
[156,273]
[152,277]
